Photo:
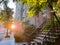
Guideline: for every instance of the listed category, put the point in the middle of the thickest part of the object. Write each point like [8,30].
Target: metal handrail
[33,34]
[38,28]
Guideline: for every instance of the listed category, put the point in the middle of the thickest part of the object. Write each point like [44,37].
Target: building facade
[21,14]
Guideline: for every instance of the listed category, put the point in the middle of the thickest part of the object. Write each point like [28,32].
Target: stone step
[51,40]
[33,43]
[39,41]
[48,40]
[54,33]
[44,33]
[41,35]
[52,37]
[45,30]
[56,28]
[40,38]
[57,31]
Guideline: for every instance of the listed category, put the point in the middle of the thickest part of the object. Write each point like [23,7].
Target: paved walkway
[22,43]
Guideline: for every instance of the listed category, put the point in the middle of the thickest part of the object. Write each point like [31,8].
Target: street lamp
[12,26]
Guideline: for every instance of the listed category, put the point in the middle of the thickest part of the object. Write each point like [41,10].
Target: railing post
[41,19]
[48,13]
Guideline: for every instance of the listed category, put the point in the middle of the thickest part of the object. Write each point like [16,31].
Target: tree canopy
[5,14]
[34,6]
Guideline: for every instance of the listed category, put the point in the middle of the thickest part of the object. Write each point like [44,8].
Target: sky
[12,5]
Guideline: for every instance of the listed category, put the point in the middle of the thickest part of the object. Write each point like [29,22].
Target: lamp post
[11,27]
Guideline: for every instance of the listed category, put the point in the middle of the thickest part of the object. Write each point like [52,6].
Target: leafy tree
[6,14]
[52,4]
[35,6]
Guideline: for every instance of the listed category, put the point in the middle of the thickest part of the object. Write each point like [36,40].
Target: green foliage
[38,5]
[29,28]
[34,5]
[5,14]
[47,26]
[1,1]
[51,1]
[20,38]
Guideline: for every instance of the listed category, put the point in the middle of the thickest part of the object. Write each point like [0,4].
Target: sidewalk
[22,43]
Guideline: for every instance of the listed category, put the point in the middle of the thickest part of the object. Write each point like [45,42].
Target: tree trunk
[53,13]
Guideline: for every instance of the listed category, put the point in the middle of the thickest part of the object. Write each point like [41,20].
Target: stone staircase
[47,37]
